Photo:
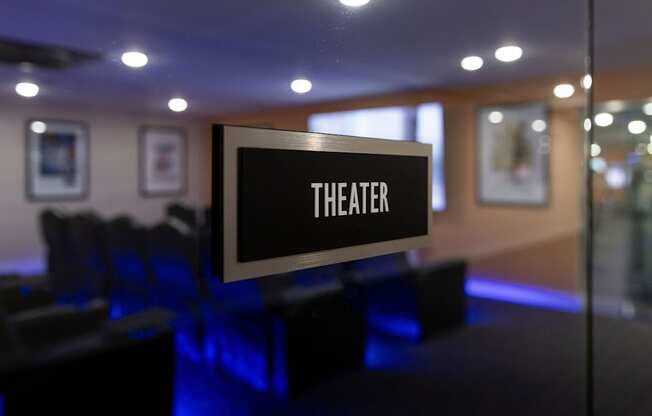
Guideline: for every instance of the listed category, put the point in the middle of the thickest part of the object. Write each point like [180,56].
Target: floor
[508,360]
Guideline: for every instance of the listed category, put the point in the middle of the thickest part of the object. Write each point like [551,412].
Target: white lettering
[341,199]
[384,204]
[338,202]
[353,200]
[374,197]
[316,187]
[329,200]
[364,186]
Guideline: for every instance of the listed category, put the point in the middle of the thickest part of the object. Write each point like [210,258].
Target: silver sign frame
[226,142]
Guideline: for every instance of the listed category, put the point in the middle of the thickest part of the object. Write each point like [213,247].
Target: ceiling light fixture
[38,127]
[27,89]
[301,86]
[636,127]
[564,91]
[587,82]
[647,109]
[496,117]
[595,150]
[509,53]
[134,59]
[354,3]
[472,63]
[604,119]
[539,126]
[178,105]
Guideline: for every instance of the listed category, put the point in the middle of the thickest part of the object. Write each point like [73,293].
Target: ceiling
[240,55]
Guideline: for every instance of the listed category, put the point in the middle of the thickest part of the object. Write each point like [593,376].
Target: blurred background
[106,294]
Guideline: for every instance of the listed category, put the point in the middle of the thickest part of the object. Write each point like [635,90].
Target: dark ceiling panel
[235,55]
[13,52]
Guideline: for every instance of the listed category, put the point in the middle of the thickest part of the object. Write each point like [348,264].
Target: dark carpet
[508,360]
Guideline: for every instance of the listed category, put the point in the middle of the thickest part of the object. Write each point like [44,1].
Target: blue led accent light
[244,357]
[400,325]
[279,363]
[115,311]
[522,294]
[186,347]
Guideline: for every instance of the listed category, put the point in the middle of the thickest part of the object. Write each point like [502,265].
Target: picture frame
[57,160]
[163,161]
[512,155]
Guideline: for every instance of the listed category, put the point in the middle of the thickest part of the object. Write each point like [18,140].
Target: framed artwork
[162,161]
[56,160]
[512,155]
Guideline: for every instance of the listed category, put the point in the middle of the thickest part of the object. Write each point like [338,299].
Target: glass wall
[620,161]
[106,289]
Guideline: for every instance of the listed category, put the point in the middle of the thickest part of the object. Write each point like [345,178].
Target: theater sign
[285,200]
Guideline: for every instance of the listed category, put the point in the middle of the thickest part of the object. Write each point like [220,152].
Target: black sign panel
[295,201]
[287,200]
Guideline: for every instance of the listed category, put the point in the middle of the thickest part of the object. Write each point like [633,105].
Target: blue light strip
[522,294]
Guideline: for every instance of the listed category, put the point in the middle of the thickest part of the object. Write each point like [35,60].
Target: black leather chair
[91,262]
[60,258]
[20,296]
[43,328]
[183,213]
[302,337]
[173,256]
[131,287]
[111,370]
[416,303]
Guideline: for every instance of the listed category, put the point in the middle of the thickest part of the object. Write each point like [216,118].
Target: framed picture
[512,150]
[162,161]
[56,160]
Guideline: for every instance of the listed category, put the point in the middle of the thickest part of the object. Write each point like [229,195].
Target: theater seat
[43,328]
[107,375]
[416,303]
[17,297]
[300,338]
[130,275]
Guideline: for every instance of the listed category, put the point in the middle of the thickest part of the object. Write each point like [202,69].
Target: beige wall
[113,172]
[540,246]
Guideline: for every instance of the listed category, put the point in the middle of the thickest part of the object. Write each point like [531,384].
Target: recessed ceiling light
[647,109]
[539,126]
[604,119]
[496,117]
[178,105]
[354,3]
[509,53]
[134,59]
[637,127]
[587,81]
[564,91]
[598,164]
[38,127]
[614,106]
[595,150]
[472,63]
[587,124]
[301,86]
[616,177]
[27,89]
